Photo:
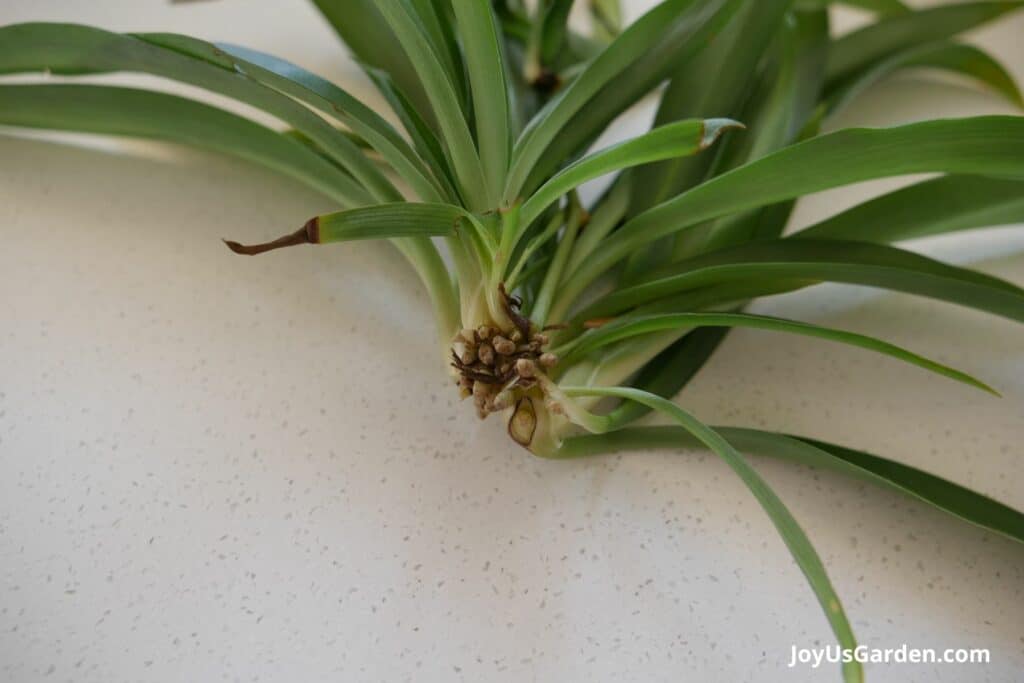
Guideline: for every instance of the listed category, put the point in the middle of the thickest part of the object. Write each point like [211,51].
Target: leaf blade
[986,145]
[681,138]
[789,529]
[872,265]
[109,110]
[932,207]
[479,32]
[631,327]
[862,48]
[969,506]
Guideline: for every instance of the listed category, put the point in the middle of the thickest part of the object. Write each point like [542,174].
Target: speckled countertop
[216,468]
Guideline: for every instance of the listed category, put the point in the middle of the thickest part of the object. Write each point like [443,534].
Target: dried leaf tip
[713,129]
[307,234]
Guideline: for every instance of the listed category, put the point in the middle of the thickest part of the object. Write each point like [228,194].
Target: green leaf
[606,17]
[444,101]
[68,49]
[958,501]
[673,140]
[786,94]
[863,48]
[785,98]
[320,94]
[647,324]
[965,60]
[555,29]
[789,529]
[144,114]
[933,207]
[668,372]
[871,265]
[606,216]
[986,145]
[479,33]
[403,219]
[437,19]
[683,20]
[366,33]
[421,134]
[678,42]
[714,82]
[880,7]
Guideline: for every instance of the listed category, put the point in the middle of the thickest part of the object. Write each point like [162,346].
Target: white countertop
[217,468]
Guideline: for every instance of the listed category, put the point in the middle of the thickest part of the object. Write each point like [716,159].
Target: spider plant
[573,320]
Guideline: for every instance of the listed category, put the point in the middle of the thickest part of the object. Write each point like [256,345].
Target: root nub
[497,366]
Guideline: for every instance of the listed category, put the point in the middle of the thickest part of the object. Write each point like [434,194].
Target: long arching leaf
[933,207]
[872,265]
[958,501]
[986,145]
[682,138]
[316,92]
[479,32]
[642,325]
[69,49]
[964,60]
[789,529]
[444,100]
[863,48]
[145,114]
[686,20]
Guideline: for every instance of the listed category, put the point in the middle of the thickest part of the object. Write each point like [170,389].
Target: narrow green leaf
[144,114]
[668,372]
[403,219]
[665,142]
[366,33]
[932,207]
[871,265]
[958,501]
[785,98]
[789,529]
[863,48]
[444,101]
[986,145]
[964,60]
[683,19]
[438,22]
[879,7]
[69,49]
[421,134]
[479,33]
[677,42]
[555,30]
[606,17]
[606,216]
[714,82]
[786,94]
[641,325]
[319,93]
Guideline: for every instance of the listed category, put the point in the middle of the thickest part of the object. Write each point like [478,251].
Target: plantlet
[573,320]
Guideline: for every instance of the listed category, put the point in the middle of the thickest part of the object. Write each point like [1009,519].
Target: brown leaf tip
[307,234]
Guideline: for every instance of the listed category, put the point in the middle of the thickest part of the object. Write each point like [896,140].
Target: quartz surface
[219,468]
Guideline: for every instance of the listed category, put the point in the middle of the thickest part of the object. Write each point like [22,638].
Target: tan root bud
[486,354]
[526,368]
[504,346]
[548,360]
